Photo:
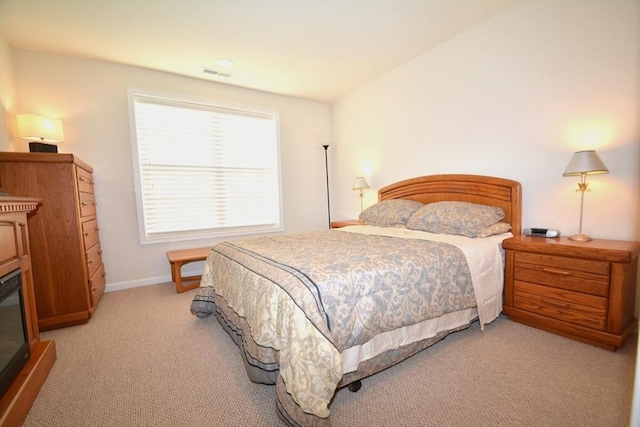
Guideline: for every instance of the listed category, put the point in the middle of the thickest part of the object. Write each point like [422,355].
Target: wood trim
[591,336]
[597,249]
[621,306]
[17,401]
[346,223]
[11,204]
[44,158]
[63,320]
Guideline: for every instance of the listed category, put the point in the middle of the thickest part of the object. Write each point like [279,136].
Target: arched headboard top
[480,189]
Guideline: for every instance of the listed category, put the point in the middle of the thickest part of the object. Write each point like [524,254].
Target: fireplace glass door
[14,340]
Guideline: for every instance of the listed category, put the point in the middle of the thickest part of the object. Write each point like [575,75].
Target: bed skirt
[261,363]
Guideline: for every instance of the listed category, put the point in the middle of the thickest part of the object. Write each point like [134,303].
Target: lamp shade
[585,163]
[360,183]
[38,128]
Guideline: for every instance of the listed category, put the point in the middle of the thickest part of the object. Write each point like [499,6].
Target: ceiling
[317,50]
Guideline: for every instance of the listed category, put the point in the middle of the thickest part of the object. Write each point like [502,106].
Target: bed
[313,312]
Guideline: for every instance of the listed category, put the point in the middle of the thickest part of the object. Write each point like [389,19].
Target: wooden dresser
[68,272]
[14,253]
[581,290]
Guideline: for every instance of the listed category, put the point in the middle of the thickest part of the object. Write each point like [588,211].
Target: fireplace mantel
[14,253]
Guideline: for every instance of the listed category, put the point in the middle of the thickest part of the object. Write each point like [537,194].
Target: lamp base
[41,147]
[580,237]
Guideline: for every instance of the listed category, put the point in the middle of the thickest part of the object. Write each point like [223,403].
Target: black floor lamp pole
[326,168]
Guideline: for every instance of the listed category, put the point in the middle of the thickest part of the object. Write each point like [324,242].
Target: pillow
[463,218]
[497,228]
[390,213]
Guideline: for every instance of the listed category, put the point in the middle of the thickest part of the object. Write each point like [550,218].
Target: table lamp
[584,163]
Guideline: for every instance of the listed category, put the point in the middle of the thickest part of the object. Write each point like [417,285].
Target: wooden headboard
[484,190]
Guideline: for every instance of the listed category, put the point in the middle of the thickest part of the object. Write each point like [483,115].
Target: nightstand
[580,290]
[346,222]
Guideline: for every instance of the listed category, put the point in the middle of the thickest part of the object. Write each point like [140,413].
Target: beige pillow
[390,213]
[497,228]
[462,218]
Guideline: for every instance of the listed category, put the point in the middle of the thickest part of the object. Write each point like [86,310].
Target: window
[203,169]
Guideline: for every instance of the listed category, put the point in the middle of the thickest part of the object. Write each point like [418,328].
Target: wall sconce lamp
[584,163]
[40,131]
[360,184]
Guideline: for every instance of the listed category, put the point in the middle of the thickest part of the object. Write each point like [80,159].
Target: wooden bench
[178,258]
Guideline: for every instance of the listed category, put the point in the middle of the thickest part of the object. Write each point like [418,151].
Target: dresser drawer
[87,204]
[574,274]
[94,258]
[90,233]
[561,304]
[97,284]
[85,181]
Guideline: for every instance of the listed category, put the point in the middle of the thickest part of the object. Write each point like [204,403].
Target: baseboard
[118,286]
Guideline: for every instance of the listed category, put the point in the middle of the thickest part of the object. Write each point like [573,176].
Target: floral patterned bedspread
[300,299]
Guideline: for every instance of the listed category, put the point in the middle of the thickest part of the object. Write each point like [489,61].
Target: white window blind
[204,169]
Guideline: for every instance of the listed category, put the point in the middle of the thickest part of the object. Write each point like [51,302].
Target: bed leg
[355,386]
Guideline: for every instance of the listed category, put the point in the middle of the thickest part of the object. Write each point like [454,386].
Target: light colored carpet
[144,360]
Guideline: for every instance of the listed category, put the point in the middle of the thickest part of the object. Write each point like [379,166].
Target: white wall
[7,97]
[513,97]
[90,97]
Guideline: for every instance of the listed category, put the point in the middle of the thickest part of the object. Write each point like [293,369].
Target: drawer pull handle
[554,271]
[81,178]
[90,261]
[86,233]
[84,203]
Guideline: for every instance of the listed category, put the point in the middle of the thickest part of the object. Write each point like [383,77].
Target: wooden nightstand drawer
[580,275]
[569,306]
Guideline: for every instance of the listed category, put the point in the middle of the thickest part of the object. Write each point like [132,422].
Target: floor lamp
[326,169]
